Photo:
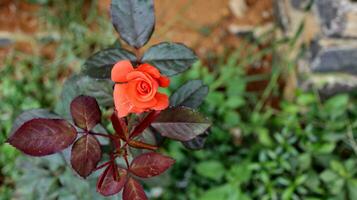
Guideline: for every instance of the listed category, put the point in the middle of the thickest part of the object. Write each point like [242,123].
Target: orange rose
[136,90]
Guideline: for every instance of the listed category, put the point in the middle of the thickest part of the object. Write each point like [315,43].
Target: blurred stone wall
[330,38]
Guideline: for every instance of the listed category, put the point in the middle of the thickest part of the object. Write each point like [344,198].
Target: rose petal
[164,81]
[134,89]
[149,69]
[122,104]
[138,74]
[162,101]
[138,110]
[140,101]
[120,70]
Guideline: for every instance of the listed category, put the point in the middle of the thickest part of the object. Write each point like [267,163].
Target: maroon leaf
[31,114]
[145,123]
[85,155]
[150,164]
[85,112]
[119,126]
[41,137]
[181,123]
[133,190]
[107,185]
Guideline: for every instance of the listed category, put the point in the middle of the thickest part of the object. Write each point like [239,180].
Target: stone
[300,4]
[238,7]
[329,84]
[332,55]
[290,14]
[5,42]
[337,18]
[330,35]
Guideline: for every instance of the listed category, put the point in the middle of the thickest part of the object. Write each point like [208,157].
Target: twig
[102,165]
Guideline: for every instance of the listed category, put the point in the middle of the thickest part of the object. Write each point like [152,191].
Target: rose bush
[38,132]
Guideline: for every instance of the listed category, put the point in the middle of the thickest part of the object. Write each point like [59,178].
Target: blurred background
[282,77]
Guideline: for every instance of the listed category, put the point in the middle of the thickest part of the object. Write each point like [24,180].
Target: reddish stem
[120,126]
[116,142]
[103,165]
[145,123]
[138,55]
[125,156]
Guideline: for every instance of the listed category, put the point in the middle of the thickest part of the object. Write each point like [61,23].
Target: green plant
[300,151]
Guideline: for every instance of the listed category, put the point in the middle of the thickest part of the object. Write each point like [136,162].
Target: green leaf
[304,161]
[101,63]
[335,106]
[328,176]
[264,136]
[191,94]
[288,193]
[306,99]
[170,58]
[134,20]
[77,85]
[102,90]
[235,102]
[210,169]
[239,173]
[352,185]
[181,123]
[231,118]
[337,102]
[223,192]
[338,167]
[215,98]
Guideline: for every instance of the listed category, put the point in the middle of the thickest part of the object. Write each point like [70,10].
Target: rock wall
[330,35]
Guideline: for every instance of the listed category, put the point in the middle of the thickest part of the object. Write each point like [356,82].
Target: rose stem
[103,165]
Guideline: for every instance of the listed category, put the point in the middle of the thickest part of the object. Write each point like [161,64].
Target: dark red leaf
[133,190]
[141,145]
[32,114]
[120,127]
[145,123]
[85,155]
[150,164]
[85,112]
[107,185]
[41,137]
[181,123]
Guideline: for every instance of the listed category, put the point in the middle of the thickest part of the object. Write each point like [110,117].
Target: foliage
[41,133]
[300,151]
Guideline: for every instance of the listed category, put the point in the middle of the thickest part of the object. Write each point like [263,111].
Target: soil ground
[200,24]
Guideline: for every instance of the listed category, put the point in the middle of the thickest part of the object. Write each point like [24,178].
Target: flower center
[144,87]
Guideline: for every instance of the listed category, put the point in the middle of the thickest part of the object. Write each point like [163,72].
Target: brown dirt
[200,24]
[17,18]
[203,24]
